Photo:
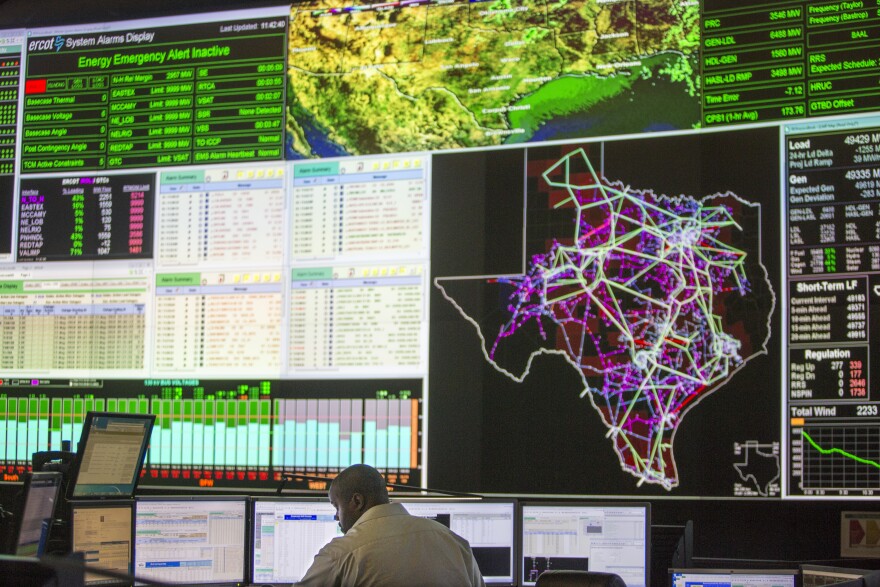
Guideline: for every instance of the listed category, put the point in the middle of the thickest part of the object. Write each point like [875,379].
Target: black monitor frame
[644,506]
[90,440]
[31,481]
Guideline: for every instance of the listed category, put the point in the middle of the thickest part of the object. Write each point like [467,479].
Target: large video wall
[596,247]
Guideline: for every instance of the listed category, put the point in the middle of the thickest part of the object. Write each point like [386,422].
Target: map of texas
[439,74]
[638,300]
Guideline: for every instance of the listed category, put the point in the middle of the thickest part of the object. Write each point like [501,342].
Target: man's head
[354,491]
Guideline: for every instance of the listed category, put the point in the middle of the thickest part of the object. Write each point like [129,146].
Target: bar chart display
[834,304]
[208,434]
[334,434]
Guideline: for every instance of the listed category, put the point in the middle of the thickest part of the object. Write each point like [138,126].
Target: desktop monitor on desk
[287,534]
[487,524]
[821,575]
[734,577]
[102,532]
[38,508]
[192,540]
[110,455]
[606,537]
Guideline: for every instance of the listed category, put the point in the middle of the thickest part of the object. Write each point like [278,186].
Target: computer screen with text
[190,540]
[287,535]
[612,538]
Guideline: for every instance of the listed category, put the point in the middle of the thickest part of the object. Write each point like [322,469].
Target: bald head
[354,491]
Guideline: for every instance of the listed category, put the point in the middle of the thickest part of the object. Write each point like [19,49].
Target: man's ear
[359,500]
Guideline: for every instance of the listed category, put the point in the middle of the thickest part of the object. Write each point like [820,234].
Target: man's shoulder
[339,547]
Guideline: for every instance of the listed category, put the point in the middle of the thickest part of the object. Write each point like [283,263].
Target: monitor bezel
[644,505]
[91,417]
[91,504]
[30,479]
[243,499]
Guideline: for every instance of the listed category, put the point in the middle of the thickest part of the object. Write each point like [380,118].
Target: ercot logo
[46,44]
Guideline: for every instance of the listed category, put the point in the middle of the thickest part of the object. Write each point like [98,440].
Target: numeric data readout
[10,69]
[833,265]
[786,60]
[86,218]
[155,96]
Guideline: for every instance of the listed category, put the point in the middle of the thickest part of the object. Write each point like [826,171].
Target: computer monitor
[672,546]
[287,534]
[820,575]
[38,508]
[192,540]
[607,537]
[110,455]
[488,525]
[102,531]
[734,577]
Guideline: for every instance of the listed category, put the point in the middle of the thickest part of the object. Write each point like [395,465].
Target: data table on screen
[104,534]
[218,322]
[78,324]
[358,318]
[222,217]
[287,535]
[190,540]
[833,267]
[362,208]
[610,538]
[205,92]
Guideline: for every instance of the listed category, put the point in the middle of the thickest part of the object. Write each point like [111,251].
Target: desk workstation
[569,258]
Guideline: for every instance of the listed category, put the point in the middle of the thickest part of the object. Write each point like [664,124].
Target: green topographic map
[451,74]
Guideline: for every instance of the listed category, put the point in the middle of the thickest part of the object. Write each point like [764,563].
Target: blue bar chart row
[330,434]
[246,439]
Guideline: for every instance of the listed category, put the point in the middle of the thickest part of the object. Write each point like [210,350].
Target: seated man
[384,545]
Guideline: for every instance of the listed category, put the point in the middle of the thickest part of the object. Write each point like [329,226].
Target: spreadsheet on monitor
[190,540]
[610,538]
[287,535]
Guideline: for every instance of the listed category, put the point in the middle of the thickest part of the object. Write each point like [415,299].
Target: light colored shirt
[388,547]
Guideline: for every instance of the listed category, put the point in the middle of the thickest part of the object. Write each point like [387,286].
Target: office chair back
[559,578]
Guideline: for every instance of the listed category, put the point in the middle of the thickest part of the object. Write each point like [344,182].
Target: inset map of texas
[440,74]
[643,295]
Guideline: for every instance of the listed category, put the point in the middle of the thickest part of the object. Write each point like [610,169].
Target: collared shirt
[388,547]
